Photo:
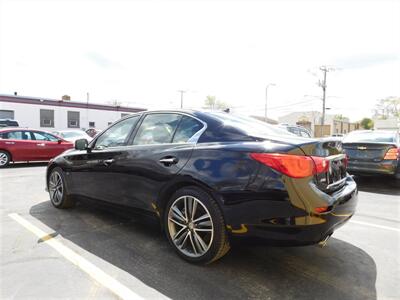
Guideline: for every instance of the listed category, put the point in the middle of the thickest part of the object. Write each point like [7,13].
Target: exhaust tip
[324,242]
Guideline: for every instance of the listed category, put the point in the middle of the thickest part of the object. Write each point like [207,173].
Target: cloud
[102,61]
[365,60]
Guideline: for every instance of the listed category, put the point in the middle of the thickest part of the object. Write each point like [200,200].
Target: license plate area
[335,177]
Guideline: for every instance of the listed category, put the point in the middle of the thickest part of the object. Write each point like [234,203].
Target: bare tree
[212,103]
[387,107]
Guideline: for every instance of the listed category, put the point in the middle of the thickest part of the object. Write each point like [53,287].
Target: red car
[21,144]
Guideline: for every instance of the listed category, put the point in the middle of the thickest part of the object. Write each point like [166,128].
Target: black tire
[63,201]
[218,244]
[5,158]
[397,175]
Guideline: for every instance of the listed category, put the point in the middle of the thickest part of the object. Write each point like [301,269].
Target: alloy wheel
[3,159]
[190,226]
[56,188]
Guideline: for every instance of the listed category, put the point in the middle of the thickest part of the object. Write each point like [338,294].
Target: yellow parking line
[375,225]
[97,274]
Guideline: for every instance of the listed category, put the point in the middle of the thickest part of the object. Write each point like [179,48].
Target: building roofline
[64,103]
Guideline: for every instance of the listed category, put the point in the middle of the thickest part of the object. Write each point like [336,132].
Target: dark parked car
[209,178]
[92,132]
[373,152]
[8,123]
[23,144]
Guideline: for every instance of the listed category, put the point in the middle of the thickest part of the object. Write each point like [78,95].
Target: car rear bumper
[366,167]
[293,226]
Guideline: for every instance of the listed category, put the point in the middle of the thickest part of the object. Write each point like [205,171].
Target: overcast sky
[142,52]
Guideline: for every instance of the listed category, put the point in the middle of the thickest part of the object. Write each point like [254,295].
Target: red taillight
[346,160]
[296,166]
[321,164]
[321,209]
[392,153]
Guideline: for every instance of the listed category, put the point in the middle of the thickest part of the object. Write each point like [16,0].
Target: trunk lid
[334,177]
[367,151]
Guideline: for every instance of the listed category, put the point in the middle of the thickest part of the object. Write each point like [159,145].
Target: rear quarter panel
[244,188]
[228,166]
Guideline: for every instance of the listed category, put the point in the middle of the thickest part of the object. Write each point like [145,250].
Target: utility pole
[182,92]
[322,84]
[266,100]
[87,108]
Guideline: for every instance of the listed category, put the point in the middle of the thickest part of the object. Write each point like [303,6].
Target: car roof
[210,117]
[204,115]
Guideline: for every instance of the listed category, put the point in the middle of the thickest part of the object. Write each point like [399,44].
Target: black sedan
[209,178]
[373,152]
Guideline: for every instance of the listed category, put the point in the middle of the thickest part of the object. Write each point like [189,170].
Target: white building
[312,121]
[50,114]
[387,124]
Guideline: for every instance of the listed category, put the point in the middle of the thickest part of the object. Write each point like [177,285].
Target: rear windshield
[250,125]
[370,136]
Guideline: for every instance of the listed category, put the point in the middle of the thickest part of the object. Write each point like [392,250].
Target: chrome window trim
[92,144]
[192,140]
[195,138]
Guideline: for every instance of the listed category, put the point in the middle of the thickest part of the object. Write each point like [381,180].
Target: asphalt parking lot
[86,253]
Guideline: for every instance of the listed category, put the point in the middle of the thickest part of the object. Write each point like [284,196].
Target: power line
[275,107]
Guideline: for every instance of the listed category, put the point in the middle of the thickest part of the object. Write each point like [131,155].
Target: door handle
[10,143]
[169,160]
[40,145]
[108,162]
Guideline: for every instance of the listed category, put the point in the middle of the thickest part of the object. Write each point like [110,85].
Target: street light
[266,99]
[181,92]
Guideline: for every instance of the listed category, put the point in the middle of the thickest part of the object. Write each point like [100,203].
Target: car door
[94,173]
[132,174]
[48,145]
[159,149]
[20,145]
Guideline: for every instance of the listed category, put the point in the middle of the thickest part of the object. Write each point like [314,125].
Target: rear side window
[186,129]
[117,134]
[157,129]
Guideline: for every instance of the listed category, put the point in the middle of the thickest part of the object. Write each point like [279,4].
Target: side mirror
[59,141]
[81,144]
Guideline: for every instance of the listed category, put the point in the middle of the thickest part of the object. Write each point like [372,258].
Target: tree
[339,117]
[212,103]
[387,108]
[367,123]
